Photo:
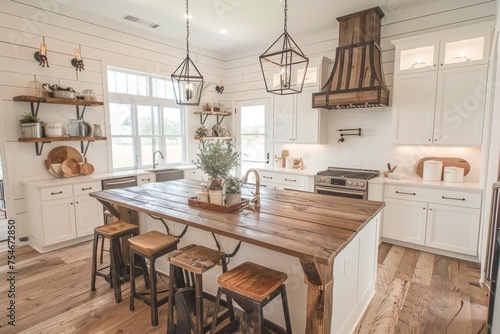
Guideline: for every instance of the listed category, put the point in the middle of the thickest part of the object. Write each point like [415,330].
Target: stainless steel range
[344,182]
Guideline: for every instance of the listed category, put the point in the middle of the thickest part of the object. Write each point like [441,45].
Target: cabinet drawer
[85,188]
[406,192]
[291,180]
[438,196]
[266,177]
[51,193]
[456,198]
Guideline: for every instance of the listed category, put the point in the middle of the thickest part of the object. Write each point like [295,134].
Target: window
[253,119]
[144,118]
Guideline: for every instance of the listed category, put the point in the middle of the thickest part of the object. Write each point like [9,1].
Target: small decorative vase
[232,199]
[97,130]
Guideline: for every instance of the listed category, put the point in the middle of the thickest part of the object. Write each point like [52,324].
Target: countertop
[56,181]
[418,181]
[300,224]
[291,171]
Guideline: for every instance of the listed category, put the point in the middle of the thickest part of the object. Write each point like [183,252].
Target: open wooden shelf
[54,139]
[215,113]
[73,102]
[39,148]
[215,138]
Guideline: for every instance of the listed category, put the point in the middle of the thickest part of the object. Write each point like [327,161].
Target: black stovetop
[350,173]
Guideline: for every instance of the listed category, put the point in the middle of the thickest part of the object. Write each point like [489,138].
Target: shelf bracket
[34,111]
[78,116]
[84,150]
[202,120]
[220,121]
[39,148]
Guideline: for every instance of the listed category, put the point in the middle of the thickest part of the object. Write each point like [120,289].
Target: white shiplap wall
[102,43]
[374,149]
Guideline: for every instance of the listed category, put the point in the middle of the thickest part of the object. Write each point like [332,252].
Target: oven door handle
[337,190]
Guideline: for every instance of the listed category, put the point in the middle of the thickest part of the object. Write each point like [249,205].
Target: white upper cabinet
[439,87]
[294,119]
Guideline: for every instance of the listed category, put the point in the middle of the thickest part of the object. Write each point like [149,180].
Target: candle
[77,54]
[42,49]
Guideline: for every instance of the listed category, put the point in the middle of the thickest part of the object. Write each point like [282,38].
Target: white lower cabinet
[283,180]
[354,277]
[405,220]
[146,178]
[438,219]
[452,228]
[62,214]
[195,174]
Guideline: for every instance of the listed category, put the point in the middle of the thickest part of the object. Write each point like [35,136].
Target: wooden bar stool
[150,245]
[194,260]
[253,286]
[113,232]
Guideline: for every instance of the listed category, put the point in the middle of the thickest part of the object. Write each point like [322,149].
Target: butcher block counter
[329,243]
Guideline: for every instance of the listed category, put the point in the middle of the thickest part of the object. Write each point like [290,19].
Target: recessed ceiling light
[187,17]
[223,31]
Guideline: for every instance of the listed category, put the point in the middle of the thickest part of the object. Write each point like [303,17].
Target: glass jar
[76,128]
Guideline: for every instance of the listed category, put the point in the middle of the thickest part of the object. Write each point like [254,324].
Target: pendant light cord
[286,9]
[187,28]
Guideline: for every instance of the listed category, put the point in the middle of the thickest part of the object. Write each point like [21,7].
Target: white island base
[355,273]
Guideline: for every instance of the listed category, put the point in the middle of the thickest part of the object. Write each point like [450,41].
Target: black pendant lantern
[187,80]
[284,65]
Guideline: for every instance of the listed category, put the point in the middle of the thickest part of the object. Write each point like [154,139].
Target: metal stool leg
[94,261]
[171,286]
[284,300]
[132,278]
[258,318]
[154,306]
[115,269]
[199,303]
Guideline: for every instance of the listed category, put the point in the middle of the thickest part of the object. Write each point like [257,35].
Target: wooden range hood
[356,80]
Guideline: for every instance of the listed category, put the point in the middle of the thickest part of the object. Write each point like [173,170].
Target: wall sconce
[220,89]
[41,56]
[77,62]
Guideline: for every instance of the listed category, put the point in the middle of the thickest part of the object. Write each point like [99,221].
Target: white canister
[453,174]
[432,170]
[289,162]
[53,129]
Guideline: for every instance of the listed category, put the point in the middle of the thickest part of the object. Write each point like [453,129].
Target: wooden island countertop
[313,228]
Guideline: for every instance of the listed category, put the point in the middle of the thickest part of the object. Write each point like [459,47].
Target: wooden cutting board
[447,162]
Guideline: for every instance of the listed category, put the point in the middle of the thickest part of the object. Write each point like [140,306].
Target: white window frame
[160,103]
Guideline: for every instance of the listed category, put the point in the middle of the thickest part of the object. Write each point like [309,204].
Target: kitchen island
[322,238]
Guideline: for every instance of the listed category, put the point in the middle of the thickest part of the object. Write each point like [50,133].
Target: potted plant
[233,190]
[216,158]
[31,127]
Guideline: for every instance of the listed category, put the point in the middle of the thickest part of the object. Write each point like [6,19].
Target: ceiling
[250,23]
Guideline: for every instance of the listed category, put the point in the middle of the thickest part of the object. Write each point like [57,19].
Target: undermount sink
[167,174]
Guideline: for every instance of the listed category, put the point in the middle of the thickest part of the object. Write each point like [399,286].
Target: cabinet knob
[429,139]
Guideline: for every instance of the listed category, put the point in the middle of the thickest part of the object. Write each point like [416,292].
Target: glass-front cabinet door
[471,49]
[416,57]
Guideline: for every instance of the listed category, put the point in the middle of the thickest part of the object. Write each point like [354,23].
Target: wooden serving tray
[214,207]
[447,162]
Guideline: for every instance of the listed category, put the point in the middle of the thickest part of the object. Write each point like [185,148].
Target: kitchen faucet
[154,160]
[256,196]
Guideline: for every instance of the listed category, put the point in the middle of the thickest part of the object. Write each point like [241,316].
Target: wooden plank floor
[417,292]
